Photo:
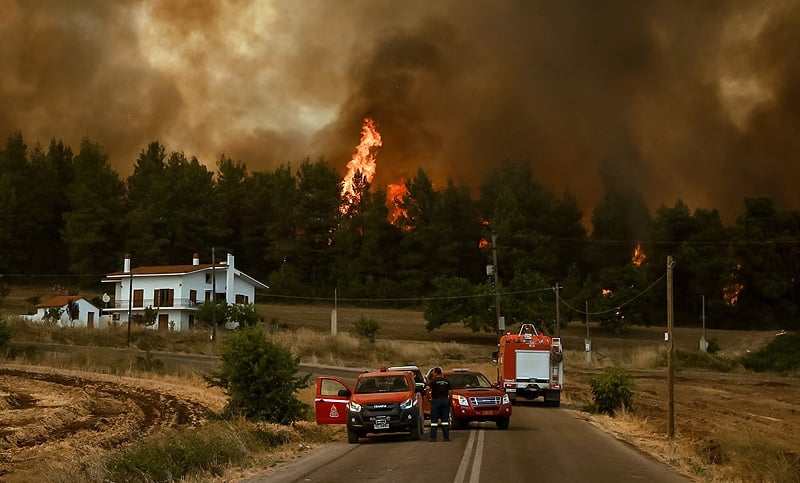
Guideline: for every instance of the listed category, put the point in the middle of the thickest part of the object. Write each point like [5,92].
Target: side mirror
[419,389]
[495,356]
[344,393]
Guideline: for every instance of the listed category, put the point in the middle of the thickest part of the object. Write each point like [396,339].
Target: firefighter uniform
[440,405]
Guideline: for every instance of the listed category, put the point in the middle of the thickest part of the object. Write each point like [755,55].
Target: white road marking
[462,467]
[475,474]
[477,447]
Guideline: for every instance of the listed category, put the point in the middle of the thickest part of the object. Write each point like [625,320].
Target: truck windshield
[370,385]
[466,381]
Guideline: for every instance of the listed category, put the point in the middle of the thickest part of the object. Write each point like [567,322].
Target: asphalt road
[542,444]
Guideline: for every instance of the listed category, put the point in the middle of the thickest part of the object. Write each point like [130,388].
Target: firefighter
[440,404]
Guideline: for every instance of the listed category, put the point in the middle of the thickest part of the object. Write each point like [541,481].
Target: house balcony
[187,304]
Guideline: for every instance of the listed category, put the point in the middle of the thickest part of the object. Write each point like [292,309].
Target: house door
[90,320]
[163,321]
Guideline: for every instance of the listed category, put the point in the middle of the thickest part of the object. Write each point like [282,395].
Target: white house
[71,311]
[175,290]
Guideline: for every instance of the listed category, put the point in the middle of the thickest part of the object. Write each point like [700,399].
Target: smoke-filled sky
[692,100]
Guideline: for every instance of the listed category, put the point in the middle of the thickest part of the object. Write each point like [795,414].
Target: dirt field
[61,416]
[49,418]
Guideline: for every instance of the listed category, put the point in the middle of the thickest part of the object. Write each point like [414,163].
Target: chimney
[196,259]
[127,265]
[230,260]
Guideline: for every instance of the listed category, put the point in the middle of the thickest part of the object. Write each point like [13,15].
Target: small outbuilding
[67,311]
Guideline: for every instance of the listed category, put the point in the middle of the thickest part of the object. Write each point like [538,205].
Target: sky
[697,101]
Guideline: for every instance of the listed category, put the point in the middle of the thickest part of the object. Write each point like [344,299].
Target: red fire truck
[531,364]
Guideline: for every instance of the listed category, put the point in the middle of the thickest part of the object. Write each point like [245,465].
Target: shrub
[780,355]
[260,378]
[5,336]
[612,391]
[701,360]
[713,346]
[367,327]
[244,315]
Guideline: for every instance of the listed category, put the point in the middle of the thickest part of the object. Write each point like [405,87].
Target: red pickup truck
[378,402]
[474,398]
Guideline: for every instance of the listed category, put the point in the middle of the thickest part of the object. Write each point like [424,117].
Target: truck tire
[416,430]
[352,436]
[456,423]
[502,423]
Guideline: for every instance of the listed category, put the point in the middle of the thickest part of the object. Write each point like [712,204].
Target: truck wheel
[352,436]
[416,430]
[502,423]
[455,423]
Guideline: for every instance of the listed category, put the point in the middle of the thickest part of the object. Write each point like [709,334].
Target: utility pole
[130,302]
[558,321]
[703,343]
[588,342]
[501,323]
[213,298]
[670,349]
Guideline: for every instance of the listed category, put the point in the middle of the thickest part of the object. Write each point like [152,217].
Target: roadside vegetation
[233,445]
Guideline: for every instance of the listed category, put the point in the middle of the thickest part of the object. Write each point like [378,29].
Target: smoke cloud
[697,101]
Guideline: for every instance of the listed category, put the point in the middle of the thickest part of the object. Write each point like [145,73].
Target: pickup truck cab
[378,402]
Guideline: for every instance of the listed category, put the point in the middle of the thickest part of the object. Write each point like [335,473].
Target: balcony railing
[140,304]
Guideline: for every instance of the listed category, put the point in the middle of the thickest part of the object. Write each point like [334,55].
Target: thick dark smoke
[698,101]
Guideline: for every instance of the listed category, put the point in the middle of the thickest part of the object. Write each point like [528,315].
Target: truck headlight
[506,399]
[354,406]
[408,403]
[462,401]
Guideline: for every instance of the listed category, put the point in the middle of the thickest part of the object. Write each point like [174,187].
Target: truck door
[330,400]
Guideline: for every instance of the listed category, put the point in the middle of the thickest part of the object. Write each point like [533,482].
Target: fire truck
[531,364]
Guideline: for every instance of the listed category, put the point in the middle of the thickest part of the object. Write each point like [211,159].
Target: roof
[183,270]
[167,269]
[60,301]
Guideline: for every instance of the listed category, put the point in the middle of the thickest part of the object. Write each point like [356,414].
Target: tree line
[65,213]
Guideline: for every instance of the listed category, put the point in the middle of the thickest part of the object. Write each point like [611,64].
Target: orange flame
[607,292]
[639,256]
[484,243]
[730,293]
[363,162]
[395,192]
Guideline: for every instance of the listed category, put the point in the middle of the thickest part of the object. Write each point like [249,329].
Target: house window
[164,297]
[208,295]
[193,296]
[138,298]
[241,299]
[208,279]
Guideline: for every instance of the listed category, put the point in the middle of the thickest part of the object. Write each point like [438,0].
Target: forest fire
[363,162]
[730,292]
[395,192]
[639,256]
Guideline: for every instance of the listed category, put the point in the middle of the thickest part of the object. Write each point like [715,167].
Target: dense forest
[70,217]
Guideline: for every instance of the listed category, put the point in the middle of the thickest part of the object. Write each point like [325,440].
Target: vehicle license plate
[381,423]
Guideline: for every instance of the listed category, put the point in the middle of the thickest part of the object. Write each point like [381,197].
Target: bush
[5,337]
[702,360]
[260,378]
[367,327]
[780,355]
[612,391]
